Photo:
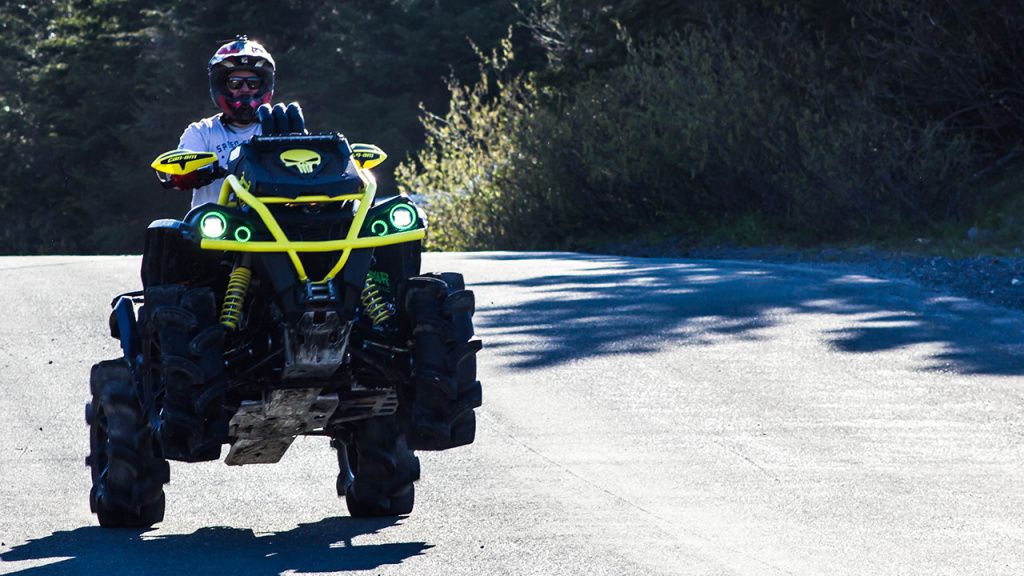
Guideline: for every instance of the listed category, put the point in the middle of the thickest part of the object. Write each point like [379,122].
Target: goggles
[236,82]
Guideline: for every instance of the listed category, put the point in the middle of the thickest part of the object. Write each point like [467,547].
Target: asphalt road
[640,417]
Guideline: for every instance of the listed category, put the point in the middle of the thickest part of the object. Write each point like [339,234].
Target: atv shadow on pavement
[618,305]
[324,546]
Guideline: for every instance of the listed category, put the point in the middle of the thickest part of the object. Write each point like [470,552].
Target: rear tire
[384,468]
[128,473]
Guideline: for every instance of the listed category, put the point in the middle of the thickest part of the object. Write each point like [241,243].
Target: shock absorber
[374,306]
[234,296]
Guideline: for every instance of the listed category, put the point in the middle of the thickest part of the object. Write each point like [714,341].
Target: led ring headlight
[403,217]
[213,225]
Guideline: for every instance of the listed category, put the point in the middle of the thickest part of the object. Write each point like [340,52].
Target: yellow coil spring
[238,285]
[373,303]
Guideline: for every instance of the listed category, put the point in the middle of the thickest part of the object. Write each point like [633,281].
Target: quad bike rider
[291,304]
[241,78]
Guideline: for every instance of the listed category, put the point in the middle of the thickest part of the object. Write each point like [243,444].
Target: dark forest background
[547,123]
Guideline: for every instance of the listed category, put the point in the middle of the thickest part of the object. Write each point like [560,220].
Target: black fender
[172,254]
[125,327]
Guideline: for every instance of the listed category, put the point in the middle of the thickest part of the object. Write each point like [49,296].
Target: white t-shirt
[212,135]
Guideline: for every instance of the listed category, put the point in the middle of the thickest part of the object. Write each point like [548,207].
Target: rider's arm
[192,139]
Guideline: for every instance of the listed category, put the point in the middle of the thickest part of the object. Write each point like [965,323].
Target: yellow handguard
[367,156]
[181,162]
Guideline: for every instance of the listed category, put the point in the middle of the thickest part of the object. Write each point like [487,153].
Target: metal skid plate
[359,408]
[315,347]
[263,430]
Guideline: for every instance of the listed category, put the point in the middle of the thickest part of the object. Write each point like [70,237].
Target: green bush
[696,132]
[465,165]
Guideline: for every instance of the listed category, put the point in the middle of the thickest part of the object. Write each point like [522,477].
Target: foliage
[99,88]
[464,166]
[742,121]
[953,63]
[752,120]
[63,124]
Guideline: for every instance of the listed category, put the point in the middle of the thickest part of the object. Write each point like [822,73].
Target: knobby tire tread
[128,473]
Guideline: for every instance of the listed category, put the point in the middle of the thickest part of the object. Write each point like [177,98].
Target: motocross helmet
[240,54]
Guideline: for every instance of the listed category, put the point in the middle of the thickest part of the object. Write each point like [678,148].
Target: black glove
[282,120]
[196,179]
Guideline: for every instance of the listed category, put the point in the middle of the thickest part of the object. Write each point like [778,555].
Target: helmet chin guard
[240,54]
[241,110]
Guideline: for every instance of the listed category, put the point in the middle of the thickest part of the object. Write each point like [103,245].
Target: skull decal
[305,161]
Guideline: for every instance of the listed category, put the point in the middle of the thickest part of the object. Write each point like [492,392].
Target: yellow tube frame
[281,243]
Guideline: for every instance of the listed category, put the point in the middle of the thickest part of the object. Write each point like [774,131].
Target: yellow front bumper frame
[235,191]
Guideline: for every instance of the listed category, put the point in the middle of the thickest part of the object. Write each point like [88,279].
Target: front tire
[444,391]
[128,473]
[184,344]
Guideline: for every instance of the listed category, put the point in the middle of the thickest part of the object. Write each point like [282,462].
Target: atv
[294,305]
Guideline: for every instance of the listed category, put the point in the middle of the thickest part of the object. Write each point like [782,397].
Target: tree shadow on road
[616,305]
[324,546]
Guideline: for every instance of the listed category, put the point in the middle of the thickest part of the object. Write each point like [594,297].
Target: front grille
[315,223]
